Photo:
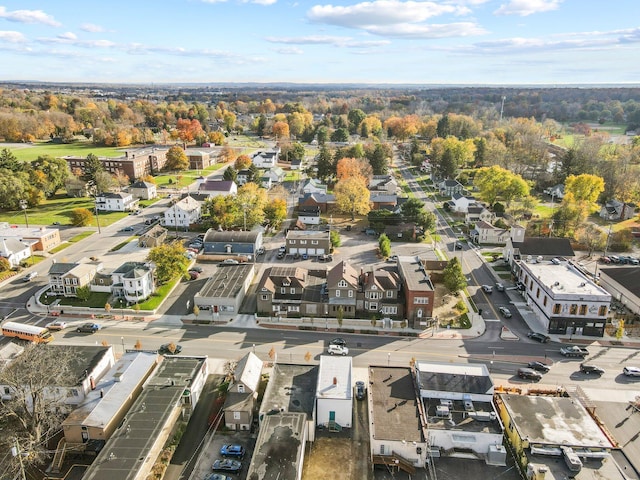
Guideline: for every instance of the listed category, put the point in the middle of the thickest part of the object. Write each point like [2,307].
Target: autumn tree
[242,162]
[496,182]
[188,130]
[354,167]
[81,217]
[229,120]
[280,130]
[170,261]
[227,154]
[221,212]
[352,196]
[276,212]
[217,138]
[4,265]
[591,237]
[371,126]
[176,159]
[252,200]
[453,277]
[584,187]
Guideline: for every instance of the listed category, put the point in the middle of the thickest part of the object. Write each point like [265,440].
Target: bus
[30,333]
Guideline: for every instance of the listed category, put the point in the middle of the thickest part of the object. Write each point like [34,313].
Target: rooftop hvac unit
[442,411]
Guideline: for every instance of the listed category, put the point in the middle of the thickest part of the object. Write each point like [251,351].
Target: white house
[183,213]
[461,202]
[486,234]
[116,202]
[214,188]
[450,186]
[334,393]
[14,251]
[266,158]
[563,299]
[476,212]
[556,192]
[276,174]
[133,281]
[309,215]
[143,190]
[314,186]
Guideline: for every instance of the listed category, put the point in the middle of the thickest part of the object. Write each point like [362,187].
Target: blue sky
[338,41]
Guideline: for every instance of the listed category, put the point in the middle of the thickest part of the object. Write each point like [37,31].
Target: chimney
[335,380]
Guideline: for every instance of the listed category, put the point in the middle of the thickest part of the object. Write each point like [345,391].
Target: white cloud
[263,2]
[92,27]
[28,16]
[70,36]
[290,51]
[12,37]
[380,12]
[527,7]
[328,40]
[462,29]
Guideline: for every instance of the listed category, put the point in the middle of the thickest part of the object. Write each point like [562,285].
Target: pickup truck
[574,351]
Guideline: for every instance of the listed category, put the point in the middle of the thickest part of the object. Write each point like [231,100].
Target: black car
[88,328]
[338,341]
[588,369]
[360,390]
[529,374]
[538,366]
[169,349]
[538,337]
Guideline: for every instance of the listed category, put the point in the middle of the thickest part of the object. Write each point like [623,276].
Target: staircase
[58,458]
[395,460]
[334,427]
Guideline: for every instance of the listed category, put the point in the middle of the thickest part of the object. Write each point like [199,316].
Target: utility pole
[23,206]
[502,107]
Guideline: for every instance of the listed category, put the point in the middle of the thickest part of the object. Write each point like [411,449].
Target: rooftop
[462,415]
[472,378]
[554,421]
[545,246]
[334,379]
[231,236]
[414,274]
[563,279]
[395,413]
[291,388]
[625,276]
[227,281]
[305,234]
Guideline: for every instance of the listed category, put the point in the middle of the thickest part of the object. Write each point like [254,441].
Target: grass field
[31,151]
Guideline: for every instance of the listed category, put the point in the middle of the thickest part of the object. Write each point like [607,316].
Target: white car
[57,325]
[631,371]
[337,350]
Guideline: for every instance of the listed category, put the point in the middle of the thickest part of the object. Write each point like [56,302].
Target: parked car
[499,287]
[360,390]
[261,251]
[56,325]
[230,261]
[529,374]
[337,350]
[393,258]
[282,249]
[538,366]
[338,341]
[604,260]
[127,229]
[193,274]
[196,269]
[217,476]
[506,313]
[88,328]
[325,258]
[631,371]
[231,450]
[487,288]
[305,256]
[280,255]
[458,246]
[170,349]
[227,465]
[538,337]
[30,276]
[587,368]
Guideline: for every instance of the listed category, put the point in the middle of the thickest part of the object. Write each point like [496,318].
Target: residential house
[183,213]
[519,247]
[556,191]
[381,291]
[617,210]
[296,164]
[276,174]
[486,234]
[242,393]
[153,237]
[244,176]
[14,251]
[460,202]
[215,188]
[311,242]
[334,393]
[143,190]
[265,182]
[384,183]
[133,281]
[309,215]
[343,286]
[40,239]
[266,158]
[286,291]
[383,200]
[232,243]
[476,212]
[563,299]
[313,185]
[66,278]
[418,290]
[322,200]
[450,187]
[116,202]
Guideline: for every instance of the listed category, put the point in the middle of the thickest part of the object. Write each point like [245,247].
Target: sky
[501,42]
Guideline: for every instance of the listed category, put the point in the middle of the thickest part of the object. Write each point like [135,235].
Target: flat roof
[24,232]
[334,379]
[291,388]
[130,447]
[227,281]
[113,390]
[563,279]
[625,276]
[554,421]
[394,406]
[474,416]
[472,378]
[414,274]
[295,234]
[279,447]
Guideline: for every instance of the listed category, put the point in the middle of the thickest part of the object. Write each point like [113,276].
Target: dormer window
[286,283]
[342,283]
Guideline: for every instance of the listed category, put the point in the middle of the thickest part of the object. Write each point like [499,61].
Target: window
[544,302]
[342,283]
[583,310]
[389,293]
[538,293]
[373,306]
[314,242]
[573,310]
[292,290]
[390,310]
[337,293]
[265,297]
[557,308]
[602,311]
[240,388]
[7,391]
[421,301]
[350,294]
[303,242]
[292,242]
[236,415]
[283,290]
[294,308]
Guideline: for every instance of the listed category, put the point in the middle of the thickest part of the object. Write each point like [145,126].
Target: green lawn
[30,152]
[155,300]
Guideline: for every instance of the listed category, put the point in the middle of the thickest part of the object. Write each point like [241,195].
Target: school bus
[31,333]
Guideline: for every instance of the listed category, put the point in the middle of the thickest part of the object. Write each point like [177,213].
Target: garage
[293,251]
[311,251]
[320,251]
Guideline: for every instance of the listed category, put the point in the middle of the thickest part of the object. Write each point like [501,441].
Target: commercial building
[418,290]
[334,393]
[224,291]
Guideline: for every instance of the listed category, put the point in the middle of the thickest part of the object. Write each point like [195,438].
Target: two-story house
[266,158]
[418,291]
[617,210]
[66,278]
[242,393]
[460,203]
[342,287]
[183,213]
[143,190]
[276,174]
[133,281]
[476,212]
[286,291]
[215,188]
[309,215]
[116,202]
[381,293]
[486,234]
[322,200]
[309,242]
[450,187]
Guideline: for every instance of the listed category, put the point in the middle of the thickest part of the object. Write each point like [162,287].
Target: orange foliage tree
[354,167]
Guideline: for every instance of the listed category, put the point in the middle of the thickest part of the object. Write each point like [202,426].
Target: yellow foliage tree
[352,196]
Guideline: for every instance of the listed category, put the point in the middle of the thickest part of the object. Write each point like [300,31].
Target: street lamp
[23,206]
[388,359]
[122,341]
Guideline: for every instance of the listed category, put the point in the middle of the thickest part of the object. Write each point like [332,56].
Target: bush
[461,307]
